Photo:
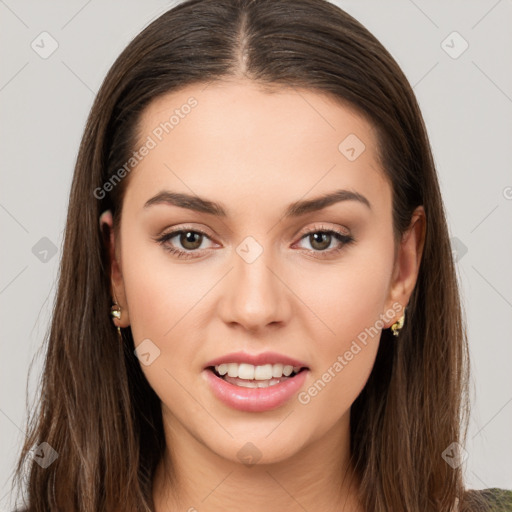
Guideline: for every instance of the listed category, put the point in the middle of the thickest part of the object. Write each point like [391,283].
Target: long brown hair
[97,410]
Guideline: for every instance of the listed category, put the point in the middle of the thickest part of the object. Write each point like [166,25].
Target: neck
[319,476]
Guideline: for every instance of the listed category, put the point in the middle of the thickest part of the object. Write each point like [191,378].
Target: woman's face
[264,277]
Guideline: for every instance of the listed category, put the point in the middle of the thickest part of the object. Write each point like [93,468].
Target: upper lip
[256,359]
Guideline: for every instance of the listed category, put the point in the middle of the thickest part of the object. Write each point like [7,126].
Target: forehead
[233,139]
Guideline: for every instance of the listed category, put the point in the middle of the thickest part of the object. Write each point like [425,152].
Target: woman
[256,205]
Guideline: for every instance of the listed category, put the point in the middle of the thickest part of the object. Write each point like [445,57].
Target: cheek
[161,299]
[350,301]
[165,299]
[159,291]
[349,296]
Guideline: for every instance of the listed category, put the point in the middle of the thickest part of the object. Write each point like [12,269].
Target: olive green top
[500,500]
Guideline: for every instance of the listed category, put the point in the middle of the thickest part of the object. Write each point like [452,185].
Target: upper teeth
[249,371]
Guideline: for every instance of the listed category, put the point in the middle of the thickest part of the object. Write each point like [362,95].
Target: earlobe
[121,319]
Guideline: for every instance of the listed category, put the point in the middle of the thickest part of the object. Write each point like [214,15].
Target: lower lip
[254,399]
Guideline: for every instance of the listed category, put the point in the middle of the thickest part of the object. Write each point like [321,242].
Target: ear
[407,264]
[117,291]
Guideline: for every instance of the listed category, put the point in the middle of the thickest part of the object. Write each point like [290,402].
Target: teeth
[249,372]
[277,370]
[255,384]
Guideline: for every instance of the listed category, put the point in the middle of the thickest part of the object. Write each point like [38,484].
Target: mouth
[248,376]
[251,388]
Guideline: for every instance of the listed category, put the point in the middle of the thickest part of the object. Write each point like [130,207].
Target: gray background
[467,105]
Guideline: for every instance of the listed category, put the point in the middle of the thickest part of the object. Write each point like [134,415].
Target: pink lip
[256,360]
[254,399]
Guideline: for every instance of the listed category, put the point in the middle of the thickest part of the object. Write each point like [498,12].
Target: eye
[321,239]
[190,239]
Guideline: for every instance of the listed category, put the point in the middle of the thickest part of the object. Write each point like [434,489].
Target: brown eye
[190,240]
[320,240]
[184,243]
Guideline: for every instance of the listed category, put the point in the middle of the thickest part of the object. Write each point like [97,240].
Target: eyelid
[322,227]
[175,230]
[314,229]
[342,235]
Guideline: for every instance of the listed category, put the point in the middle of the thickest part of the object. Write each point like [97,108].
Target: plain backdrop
[458,57]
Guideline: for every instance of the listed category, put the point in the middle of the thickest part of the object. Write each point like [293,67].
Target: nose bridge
[255,297]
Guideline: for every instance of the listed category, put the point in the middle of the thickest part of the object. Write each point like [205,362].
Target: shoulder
[499,500]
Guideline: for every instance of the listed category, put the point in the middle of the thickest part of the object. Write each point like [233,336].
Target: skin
[256,152]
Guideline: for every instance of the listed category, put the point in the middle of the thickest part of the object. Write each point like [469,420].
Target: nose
[255,295]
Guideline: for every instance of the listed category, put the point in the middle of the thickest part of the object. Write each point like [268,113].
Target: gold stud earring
[115,312]
[395,328]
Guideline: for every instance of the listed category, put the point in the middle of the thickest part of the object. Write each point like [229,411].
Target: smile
[254,394]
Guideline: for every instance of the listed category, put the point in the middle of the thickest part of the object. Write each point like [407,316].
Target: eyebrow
[295,209]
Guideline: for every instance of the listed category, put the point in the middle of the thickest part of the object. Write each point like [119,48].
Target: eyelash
[183,254]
